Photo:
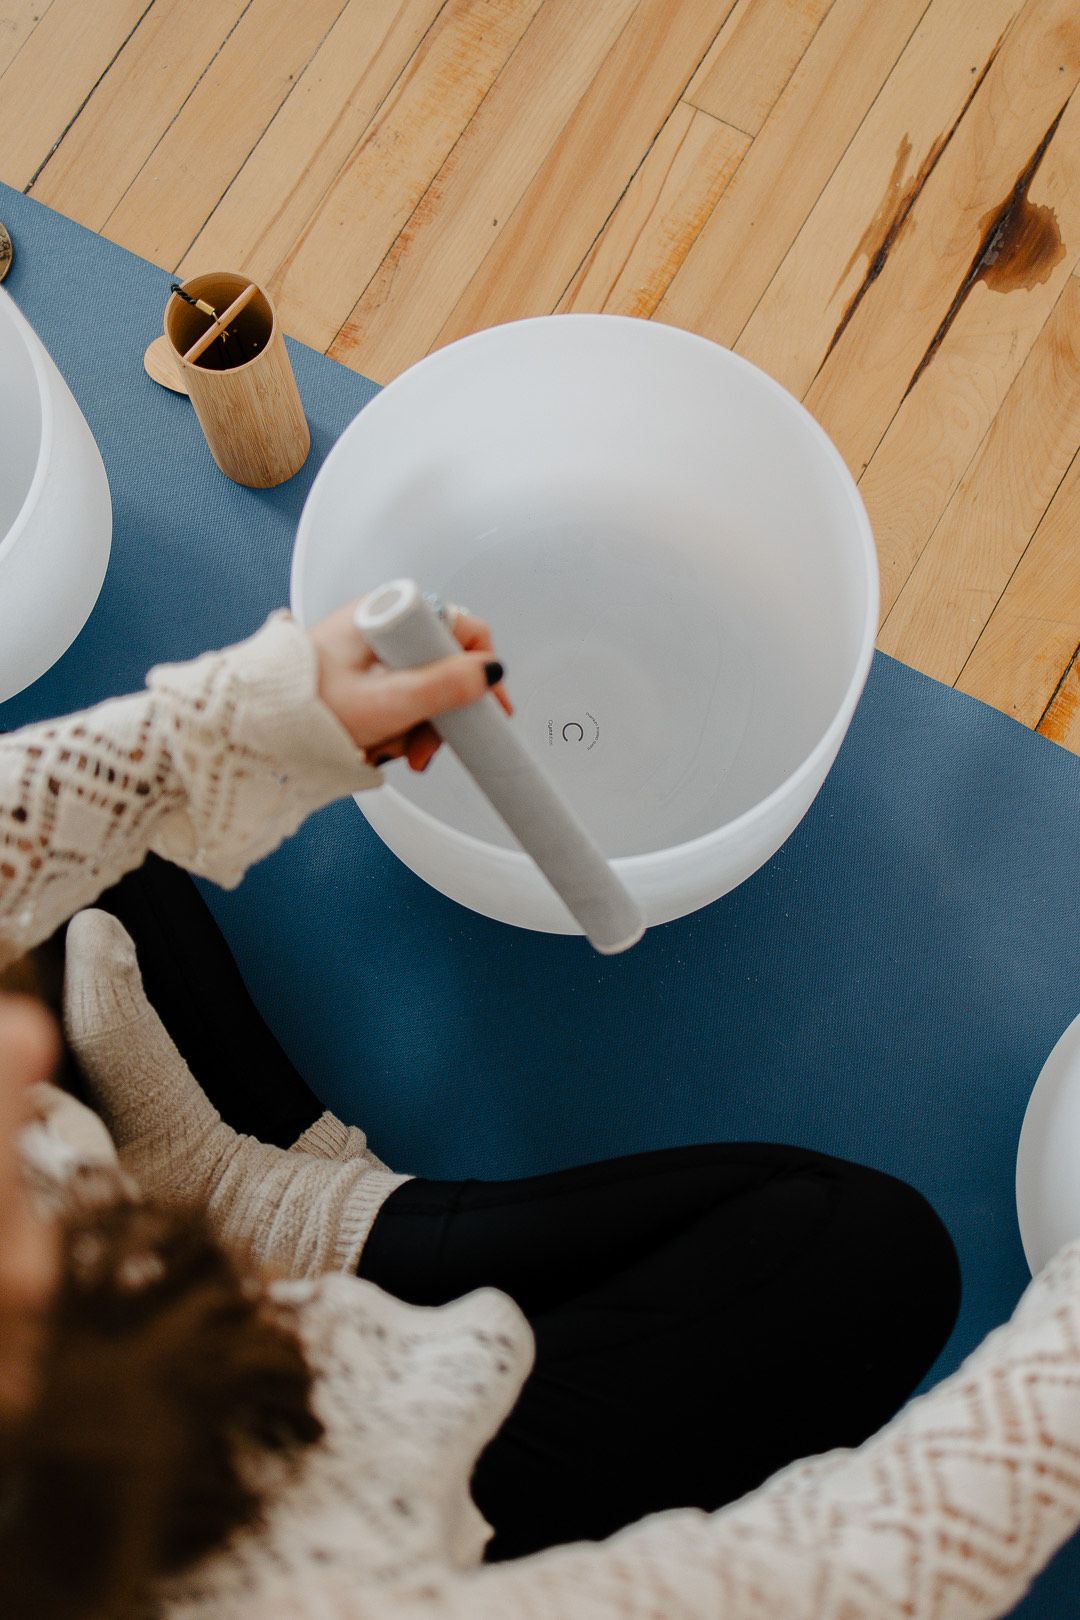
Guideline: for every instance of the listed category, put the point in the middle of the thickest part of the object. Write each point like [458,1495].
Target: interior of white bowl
[20,423]
[676,565]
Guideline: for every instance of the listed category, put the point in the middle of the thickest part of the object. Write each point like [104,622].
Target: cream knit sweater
[947,1514]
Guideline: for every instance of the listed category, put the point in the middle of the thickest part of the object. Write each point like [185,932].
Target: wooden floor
[878,201]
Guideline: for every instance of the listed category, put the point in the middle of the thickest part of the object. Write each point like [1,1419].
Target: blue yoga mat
[887,988]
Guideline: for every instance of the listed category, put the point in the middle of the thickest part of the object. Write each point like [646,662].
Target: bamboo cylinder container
[243,389]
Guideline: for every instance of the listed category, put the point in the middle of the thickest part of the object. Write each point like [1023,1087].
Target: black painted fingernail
[383,759]
[494,672]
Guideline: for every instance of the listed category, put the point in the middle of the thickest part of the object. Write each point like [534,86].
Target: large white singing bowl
[1047,1155]
[55,510]
[680,578]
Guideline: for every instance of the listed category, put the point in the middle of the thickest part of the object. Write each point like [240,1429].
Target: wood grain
[646,238]
[310,138]
[449,232]
[719,283]
[130,111]
[754,56]
[897,325]
[251,414]
[1034,631]
[867,204]
[167,204]
[17,22]
[342,245]
[543,243]
[877,202]
[941,422]
[52,75]
[1055,554]
[970,558]
[1062,721]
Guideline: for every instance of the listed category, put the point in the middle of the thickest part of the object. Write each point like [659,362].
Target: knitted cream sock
[295,1212]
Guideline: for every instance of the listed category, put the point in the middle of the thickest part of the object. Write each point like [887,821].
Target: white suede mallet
[403,629]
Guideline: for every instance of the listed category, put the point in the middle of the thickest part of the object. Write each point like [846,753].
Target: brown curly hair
[165,1364]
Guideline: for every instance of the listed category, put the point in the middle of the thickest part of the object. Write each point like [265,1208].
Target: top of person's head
[164,1363]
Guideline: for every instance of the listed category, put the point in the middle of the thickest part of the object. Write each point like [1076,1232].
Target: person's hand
[29,1247]
[386,711]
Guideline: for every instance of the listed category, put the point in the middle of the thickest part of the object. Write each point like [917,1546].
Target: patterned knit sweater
[947,1514]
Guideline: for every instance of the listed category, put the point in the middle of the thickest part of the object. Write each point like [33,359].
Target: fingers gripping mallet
[403,629]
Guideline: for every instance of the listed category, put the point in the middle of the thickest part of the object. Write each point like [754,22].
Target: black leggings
[703,1315]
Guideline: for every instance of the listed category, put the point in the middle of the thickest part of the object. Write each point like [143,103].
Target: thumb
[408,696]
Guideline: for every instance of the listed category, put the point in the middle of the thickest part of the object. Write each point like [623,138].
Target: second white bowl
[55,509]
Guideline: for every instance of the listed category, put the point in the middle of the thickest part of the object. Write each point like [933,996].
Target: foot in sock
[295,1212]
[329,1138]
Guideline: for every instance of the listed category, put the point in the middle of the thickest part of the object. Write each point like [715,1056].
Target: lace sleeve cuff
[255,747]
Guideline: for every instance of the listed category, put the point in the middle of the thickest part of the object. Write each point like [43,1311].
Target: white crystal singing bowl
[55,510]
[680,578]
[1047,1155]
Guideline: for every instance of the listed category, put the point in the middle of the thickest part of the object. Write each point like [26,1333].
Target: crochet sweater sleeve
[947,1514]
[212,766]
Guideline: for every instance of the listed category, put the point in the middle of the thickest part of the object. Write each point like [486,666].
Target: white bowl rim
[38,356]
[516,859]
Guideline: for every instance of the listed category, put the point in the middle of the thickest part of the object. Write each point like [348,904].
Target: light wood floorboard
[877,201]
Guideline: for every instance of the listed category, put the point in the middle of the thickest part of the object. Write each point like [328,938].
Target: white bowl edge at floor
[1048,1155]
[55,543]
